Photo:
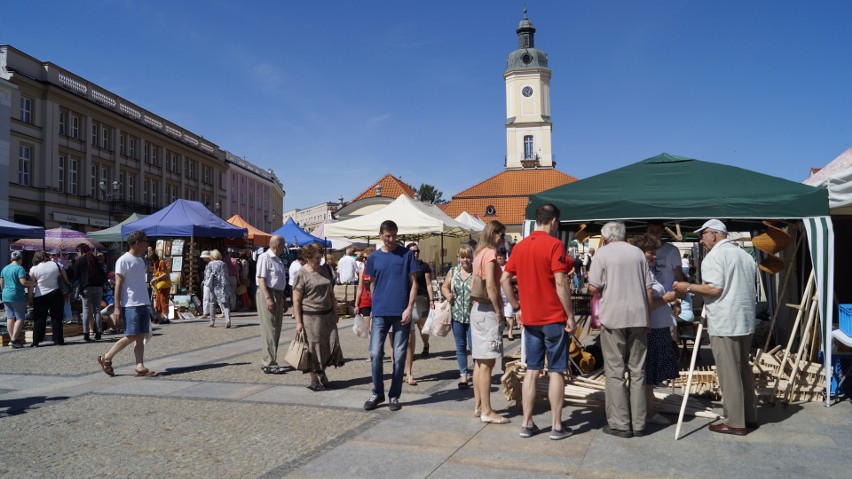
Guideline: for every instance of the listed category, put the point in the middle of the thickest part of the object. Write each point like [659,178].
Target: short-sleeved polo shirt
[535,261]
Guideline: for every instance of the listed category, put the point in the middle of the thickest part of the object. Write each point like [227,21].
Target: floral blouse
[462,302]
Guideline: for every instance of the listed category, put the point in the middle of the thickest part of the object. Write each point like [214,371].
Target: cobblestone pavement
[214,414]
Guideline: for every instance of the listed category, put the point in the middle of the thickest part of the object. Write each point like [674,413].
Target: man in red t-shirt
[542,269]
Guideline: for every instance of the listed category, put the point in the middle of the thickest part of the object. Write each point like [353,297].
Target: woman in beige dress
[314,309]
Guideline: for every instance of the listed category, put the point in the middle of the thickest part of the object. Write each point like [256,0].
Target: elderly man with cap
[728,274]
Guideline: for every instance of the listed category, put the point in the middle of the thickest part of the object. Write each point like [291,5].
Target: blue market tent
[185,218]
[292,234]
[16,230]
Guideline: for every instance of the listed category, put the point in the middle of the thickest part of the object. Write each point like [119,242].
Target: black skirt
[660,360]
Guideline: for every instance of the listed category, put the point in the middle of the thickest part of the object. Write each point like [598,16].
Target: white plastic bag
[360,326]
[427,326]
[442,321]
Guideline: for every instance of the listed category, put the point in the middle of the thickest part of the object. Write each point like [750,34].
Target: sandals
[228,325]
[410,380]
[494,420]
[324,380]
[316,387]
[106,366]
[145,373]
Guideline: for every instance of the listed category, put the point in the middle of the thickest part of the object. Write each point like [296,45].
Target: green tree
[430,194]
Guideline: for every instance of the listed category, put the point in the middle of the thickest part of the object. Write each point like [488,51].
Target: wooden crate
[68,330]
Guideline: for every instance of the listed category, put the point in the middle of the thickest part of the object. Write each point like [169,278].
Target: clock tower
[528,124]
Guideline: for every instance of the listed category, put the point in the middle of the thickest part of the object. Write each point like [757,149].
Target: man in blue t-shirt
[394,288]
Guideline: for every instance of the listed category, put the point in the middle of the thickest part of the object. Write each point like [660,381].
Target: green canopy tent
[113,234]
[691,191]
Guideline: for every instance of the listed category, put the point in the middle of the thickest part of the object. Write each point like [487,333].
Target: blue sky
[335,94]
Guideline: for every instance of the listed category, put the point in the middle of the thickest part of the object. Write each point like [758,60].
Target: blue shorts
[550,338]
[16,309]
[137,320]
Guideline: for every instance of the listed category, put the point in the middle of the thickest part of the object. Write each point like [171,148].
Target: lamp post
[110,196]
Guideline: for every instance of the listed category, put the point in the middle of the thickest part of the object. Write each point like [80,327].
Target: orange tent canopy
[256,236]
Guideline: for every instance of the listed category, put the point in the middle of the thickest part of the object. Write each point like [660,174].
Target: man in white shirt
[729,288]
[271,302]
[346,267]
[134,304]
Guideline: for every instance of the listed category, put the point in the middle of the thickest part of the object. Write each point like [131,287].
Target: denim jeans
[379,329]
[461,331]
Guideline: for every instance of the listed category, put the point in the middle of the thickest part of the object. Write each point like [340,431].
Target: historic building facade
[82,157]
[529,165]
[253,193]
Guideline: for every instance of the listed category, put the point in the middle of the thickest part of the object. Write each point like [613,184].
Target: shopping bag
[298,354]
[359,327]
[596,304]
[427,326]
[442,321]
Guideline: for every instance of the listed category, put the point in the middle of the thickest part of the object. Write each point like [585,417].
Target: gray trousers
[270,325]
[92,308]
[624,351]
[233,281]
[735,378]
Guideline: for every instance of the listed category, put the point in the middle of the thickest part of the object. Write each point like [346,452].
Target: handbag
[298,354]
[442,319]
[64,286]
[477,288]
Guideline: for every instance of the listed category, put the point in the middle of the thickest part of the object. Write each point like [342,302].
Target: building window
[206,174]
[63,118]
[62,167]
[105,134]
[25,154]
[105,179]
[26,110]
[74,132]
[155,188]
[94,134]
[173,191]
[131,148]
[173,163]
[93,181]
[73,175]
[145,191]
[154,160]
[528,147]
[131,187]
[122,144]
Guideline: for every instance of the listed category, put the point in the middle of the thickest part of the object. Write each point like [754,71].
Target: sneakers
[618,432]
[394,404]
[557,435]
[15,344]
[529,431]
[374,402]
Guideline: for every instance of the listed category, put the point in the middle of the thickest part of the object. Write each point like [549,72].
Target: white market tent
[836,177]
[414,219]
[475,223]
[336,243]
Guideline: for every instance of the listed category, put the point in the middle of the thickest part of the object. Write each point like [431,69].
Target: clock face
[527,91]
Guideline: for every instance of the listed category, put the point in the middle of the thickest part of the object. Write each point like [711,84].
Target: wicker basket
[772,264]
[773,240]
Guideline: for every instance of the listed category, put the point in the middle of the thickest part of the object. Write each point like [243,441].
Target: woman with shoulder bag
[91,278]
[47,298]
[456,290]
[486,319]
[314,309]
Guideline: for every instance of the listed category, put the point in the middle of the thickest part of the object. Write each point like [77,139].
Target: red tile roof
[508,192]
[392,187]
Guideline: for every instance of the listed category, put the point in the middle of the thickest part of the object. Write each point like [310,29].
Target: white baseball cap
[713,224]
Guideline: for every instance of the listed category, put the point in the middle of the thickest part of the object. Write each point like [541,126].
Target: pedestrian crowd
[640,285]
